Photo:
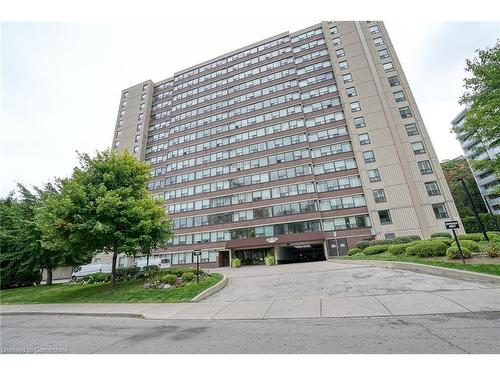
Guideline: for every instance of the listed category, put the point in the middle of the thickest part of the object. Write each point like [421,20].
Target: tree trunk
[49,276]
[113,267]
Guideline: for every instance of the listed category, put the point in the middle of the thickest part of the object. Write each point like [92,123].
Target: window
[374,29]
[374,175]
[393,81]
[440,211]
[411,129]
[117,144]
[364,139]
[369,156]
[136,149]
[120,123]
[385,217]
[418,148]
[432,188]
[336,41]
[399,96]
[347,77]
[141,106]
[334,29]
[124,103]
[125,94]
[145,87]
[383,54]
[388,67]
[405,112]
[137,137]
[351,91]
[340,52]
[379,42]
[139,127]
[343,65]
[140,117]
[379,196]
[359,122]
[122,113]
[425,167]
[143,96]
[355,107]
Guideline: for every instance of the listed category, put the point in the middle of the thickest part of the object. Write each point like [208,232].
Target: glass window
[369,156]
[399,96]
[440,211]
[373,175]
[343,65]
[347,77]
[351,91]
[432,188]
[378,42]
[418,148]
[393,81]
[373,29]
[411,129]
[340,52]
[359,122]
[388,67]
[336,41]
[385,217]
[364,138]
[383,53]
[379,196]
[355,107]
[425,167]
[405,112]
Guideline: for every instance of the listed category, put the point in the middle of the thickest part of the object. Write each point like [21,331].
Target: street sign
[451,224]
[197,253]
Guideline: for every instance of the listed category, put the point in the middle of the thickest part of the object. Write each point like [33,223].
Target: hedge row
[363,244]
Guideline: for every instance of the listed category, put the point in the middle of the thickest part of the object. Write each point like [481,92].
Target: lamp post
[478,219]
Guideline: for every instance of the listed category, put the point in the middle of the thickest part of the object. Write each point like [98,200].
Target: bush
[446,240]
[398,249]
[354,250]
[471,225]
[441,234]
[427,248]
[270,261]
[471,236]
[492,249]
[454,253]
[472,246]
[187,277]
[169,279]
[148,272]
[94,278]
[375,249]
[129,273]
[179,271]
[494,236]
[236,263]
[363,244]
[405,239]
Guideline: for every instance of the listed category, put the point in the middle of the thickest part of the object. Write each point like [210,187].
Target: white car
[160,262]
[88,269]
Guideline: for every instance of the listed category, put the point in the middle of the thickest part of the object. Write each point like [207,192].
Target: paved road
[460,333]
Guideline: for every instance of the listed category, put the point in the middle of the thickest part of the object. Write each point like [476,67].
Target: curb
[113,315]
[427,269]
[212,290]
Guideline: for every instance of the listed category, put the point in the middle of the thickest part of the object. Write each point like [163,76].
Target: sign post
[454,225]
[197,254]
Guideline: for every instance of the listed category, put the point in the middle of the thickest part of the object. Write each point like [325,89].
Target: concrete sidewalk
[403,304]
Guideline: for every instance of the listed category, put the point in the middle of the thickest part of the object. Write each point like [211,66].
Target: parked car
[88,269]
[160,262]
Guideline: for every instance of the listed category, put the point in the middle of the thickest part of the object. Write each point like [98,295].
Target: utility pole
[476,214]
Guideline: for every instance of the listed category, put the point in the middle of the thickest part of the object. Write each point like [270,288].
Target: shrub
[427,248]
[381,242]
[472,246]
[375,249]
[405,239]
[270,261]
[354,250]
[471,236]
[187,277]
[179,271]
[169,279]
[492,249]
[236,263]
[99,277]
[494,236]
[441,234]
[363,244]
[398,249]
[129,273]
[148,272]
[454,253]
[151,268]
[446,240]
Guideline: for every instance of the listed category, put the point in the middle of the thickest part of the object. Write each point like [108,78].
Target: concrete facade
[304,141]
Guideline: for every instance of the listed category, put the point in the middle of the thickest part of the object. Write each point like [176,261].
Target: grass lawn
[488,268]
[125,291]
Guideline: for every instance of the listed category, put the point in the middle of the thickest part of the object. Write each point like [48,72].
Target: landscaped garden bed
[133,285]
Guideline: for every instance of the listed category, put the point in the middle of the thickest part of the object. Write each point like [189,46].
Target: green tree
[482,119]
[459,168]
[105,206]
[24,253]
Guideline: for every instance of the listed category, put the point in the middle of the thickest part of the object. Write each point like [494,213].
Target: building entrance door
[223,259]
[337,247]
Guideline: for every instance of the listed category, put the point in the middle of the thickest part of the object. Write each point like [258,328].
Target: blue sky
[61,82]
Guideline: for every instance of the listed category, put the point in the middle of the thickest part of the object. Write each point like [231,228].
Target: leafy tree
[482,119]
[105,206]
[24,254]
[459,168]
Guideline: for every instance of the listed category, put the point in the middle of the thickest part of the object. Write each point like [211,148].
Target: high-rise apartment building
[301,144]
[477,150]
